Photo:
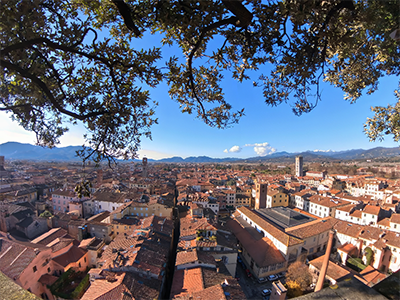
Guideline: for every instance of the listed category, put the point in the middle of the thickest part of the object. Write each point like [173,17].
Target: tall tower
[144,163]
[3,172]
[299,166]
[100,176]
[261,195]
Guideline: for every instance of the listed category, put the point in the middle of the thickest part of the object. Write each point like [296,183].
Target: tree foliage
[369,255]
[57,69]
[293,289]
[298,272]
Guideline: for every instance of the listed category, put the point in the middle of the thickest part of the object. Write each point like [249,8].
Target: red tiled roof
[14,257]
[384,222]
[327,201]
[185,257]
[334,271]
[373,210]
[49,236]
[186,281]
[395,218]
[356,214]
[347,248]
[74,254]
[275,232]
[212,293]
[370,276]
[312,228]
[105,290]
[263,251]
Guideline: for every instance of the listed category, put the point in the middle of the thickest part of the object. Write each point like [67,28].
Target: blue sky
[334,124]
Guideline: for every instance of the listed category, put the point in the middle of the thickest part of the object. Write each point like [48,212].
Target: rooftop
[284,217]
[347,289]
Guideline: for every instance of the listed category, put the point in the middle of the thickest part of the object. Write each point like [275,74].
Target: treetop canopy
[56,69]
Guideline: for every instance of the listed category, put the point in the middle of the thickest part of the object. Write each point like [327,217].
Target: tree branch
[232,21]
[126,14]
[47,92]
[240,11]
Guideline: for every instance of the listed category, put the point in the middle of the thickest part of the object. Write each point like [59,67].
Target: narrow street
[250,286]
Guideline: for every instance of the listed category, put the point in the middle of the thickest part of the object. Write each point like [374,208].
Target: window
[48,270]
[34,269]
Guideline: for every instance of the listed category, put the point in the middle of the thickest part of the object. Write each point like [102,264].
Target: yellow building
[243,200]
[155,206]
[276,198]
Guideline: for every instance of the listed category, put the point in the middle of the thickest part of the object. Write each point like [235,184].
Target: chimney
[325,263]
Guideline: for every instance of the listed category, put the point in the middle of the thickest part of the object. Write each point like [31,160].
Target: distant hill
[14,150]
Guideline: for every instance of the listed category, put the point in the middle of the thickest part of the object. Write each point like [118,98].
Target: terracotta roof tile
[215,292]
[74,254]
[263,251]
[14,257]
[49,236]
[334,271]
[186,257]
[312,228]
[373,210]
[395,218]
[187,281]
[370,276]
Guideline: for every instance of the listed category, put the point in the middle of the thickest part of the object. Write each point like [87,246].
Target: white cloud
[235,149]
[316,150]
[257,145]
[262,149]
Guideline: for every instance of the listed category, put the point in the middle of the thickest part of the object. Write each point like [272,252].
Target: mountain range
[19,151]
